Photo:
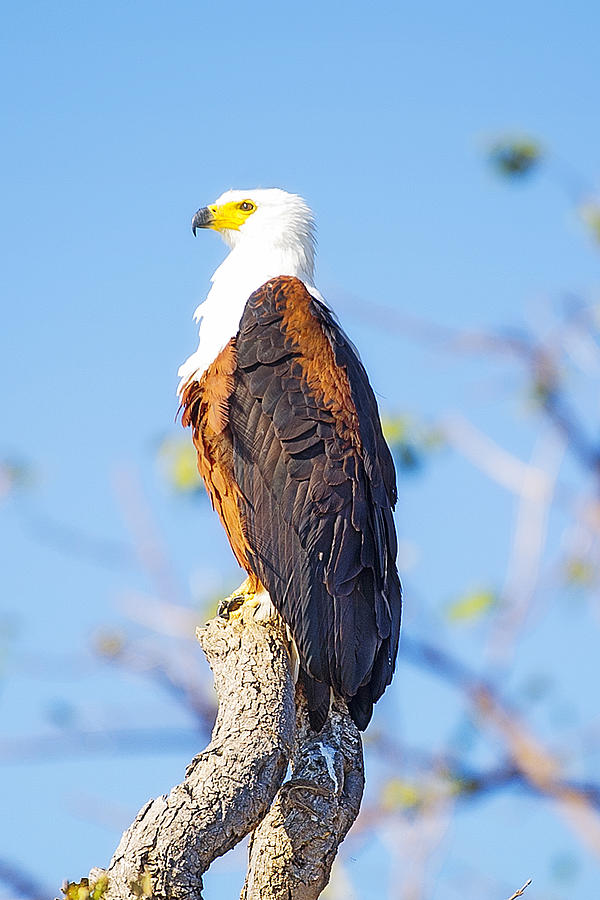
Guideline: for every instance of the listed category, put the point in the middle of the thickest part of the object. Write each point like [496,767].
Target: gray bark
[293,848]
[230,787]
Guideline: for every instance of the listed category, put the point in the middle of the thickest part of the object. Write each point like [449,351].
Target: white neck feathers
[281,244]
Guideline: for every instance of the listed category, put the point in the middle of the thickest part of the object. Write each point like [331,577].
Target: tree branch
[521,890]
[229,787]
[21,882]
[537,765]
[293,849]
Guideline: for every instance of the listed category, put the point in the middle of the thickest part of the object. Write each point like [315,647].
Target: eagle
[290,447]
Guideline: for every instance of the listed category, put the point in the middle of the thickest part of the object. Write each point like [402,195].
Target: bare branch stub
[228,787]
[235,785]
[521,890]
[293,849]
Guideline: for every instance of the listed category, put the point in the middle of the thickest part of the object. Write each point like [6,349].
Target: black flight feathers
[317,511]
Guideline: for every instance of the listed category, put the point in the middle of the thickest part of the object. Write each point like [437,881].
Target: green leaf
[471,606]
[589,213]
[395,428]
[579,572]
[515,157]
[83,890]
[461,786]
[109,643]
[178,461]
[409,440]
[77,890]
[400,794]
[99,888]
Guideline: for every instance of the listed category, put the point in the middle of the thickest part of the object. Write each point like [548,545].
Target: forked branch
[229,788]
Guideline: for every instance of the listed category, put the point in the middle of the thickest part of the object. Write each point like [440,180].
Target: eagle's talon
[229,605]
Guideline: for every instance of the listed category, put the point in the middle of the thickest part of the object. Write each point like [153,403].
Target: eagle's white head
[265,219]
[271,233]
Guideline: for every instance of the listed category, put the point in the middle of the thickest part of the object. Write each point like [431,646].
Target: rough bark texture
[293,849]
[229,787]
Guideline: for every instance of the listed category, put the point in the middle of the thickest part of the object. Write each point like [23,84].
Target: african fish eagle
[290,447]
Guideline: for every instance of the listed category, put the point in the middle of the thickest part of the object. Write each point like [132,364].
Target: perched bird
[291,450]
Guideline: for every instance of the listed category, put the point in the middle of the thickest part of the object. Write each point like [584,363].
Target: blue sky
[120,120]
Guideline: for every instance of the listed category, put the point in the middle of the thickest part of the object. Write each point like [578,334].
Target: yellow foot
[232,607]
[249,600]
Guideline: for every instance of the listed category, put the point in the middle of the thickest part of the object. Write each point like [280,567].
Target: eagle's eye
[247,206]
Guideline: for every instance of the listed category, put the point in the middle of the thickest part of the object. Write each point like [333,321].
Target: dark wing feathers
[379,464]
[317,504]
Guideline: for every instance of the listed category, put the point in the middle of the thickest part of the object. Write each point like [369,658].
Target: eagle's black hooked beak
[202,219]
